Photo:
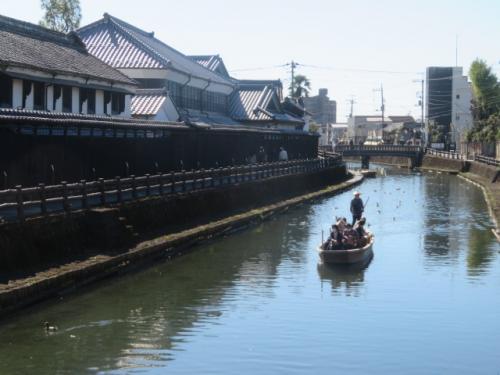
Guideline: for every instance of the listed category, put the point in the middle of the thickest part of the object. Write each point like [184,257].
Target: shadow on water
[142,320]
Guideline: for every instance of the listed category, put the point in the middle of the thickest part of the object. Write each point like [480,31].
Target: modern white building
[448,104]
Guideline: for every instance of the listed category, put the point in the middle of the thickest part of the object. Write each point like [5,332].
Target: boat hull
[350,256]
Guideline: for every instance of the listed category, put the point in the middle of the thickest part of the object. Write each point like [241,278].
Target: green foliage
[314,127]
[300,86]
[436,133]
[61,15]
[485,105]
[485,130]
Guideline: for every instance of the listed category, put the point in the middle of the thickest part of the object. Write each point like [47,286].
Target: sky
[352,48]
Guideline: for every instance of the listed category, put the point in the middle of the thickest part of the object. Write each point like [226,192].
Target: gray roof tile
[31,46]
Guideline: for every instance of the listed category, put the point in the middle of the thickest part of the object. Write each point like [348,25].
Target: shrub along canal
[259,302]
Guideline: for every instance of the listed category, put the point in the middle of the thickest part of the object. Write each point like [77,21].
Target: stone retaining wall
[442,164]
[40,242]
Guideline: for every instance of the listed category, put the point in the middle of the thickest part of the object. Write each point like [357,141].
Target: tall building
[448,104]
[322,109]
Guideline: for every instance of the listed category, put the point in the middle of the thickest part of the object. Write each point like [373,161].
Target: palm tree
[300,86]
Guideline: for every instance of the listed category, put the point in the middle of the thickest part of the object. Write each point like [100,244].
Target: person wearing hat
[357,207]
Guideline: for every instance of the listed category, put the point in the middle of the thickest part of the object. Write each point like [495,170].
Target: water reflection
[344,279]
[455,216]
[258,301]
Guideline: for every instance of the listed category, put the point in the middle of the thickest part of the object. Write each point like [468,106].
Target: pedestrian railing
[23,202]
[377,149]
[445,154]
[487,160]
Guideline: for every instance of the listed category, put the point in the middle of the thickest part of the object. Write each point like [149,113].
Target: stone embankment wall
[390,160]
[442,164]
[40,243]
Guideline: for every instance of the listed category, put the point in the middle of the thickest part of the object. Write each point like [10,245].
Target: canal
[258,302]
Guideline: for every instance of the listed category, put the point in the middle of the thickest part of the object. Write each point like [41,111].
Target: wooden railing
[22,202]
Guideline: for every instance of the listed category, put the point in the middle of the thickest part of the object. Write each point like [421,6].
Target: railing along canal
[445,154]
[23,202]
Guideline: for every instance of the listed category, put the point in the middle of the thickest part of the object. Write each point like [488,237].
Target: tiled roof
[31,46]
[148,102]
[211,62]
[250,103]
[24,117]
[125,46]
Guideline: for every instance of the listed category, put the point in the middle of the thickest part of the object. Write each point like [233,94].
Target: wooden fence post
[84,194]
[43,199]
[102,190]
[134,188]
[118,189]
[148,185]
[66,206]
[160,184]
[19,200]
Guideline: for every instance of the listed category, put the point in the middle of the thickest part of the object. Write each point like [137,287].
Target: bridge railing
[445,154]
[378,148]
[23,202]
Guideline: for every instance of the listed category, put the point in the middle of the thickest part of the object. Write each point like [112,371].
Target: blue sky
[349,47]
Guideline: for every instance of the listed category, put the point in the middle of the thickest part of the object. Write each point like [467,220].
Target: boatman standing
[357,207]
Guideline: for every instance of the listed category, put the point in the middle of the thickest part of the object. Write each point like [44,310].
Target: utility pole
[382,105]
[293,65]
[352,102]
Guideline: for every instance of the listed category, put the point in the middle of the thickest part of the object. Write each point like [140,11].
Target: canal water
[258,302]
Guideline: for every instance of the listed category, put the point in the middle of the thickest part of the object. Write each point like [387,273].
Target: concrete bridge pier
[365,162]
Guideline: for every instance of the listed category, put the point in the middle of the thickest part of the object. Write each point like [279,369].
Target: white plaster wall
[17,93]
[59,103]
[170,111]
[461,116]
[99,102]
[75,105]
[128,106]
[50,97]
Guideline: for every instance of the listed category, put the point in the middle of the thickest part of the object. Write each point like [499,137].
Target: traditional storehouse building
[66,102]
[45,70]
[198,87]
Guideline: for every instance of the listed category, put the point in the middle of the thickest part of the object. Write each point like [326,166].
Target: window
[39,96]
[117,103]
[91,101]
[67,92]
[5,91]
[87,95]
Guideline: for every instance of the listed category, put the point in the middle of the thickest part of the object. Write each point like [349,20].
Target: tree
[486,103]
[61,15]
[300,86]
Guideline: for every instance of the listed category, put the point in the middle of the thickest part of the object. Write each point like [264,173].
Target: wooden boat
[350,256]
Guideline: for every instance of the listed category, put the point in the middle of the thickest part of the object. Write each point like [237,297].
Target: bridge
[413,153]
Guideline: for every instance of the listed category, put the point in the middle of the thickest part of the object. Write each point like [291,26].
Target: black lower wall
[30,159]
